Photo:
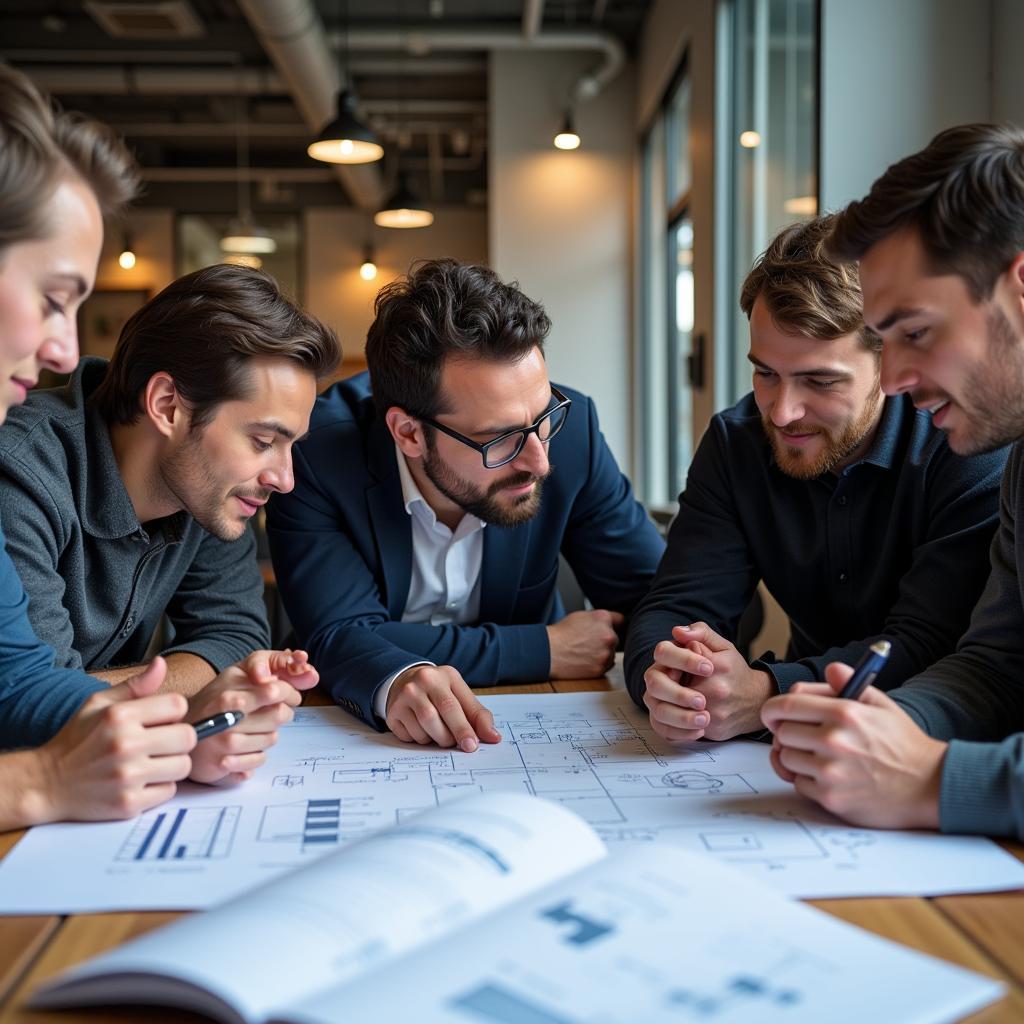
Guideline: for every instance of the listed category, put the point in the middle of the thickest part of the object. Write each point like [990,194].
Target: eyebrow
[76,279]
[517,426]
[276,428]
[894,317]
[818,371]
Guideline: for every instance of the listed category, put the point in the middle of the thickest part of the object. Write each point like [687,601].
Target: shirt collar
[885,445]
[416,504]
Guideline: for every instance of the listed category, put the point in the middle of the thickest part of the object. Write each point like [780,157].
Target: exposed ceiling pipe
[292,35]
[131,79]
[533,17]
[422,42]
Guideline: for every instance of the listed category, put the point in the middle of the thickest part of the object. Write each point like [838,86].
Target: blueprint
[331,780]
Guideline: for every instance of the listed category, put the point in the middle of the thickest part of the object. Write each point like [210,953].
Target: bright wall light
[126,261]
[368,270]
[568,137]
[750,139]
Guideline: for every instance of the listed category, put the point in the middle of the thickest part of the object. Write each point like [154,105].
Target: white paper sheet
[331,780]
[657,936]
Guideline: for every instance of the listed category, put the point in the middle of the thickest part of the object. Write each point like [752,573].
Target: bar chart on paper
[197,833]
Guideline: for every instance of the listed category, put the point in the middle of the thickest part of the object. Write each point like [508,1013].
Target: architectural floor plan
[331,780]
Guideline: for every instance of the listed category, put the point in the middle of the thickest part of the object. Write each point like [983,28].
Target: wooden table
[982,932]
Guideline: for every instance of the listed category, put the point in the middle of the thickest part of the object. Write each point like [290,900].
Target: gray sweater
[975,697]
[98,582]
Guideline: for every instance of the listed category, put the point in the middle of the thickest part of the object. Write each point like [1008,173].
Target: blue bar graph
[188,833]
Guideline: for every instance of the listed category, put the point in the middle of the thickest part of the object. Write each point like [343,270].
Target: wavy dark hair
[445,309]
[204,330]
[964,196]
[804,289]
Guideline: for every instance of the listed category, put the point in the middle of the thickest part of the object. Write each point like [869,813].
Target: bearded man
[419,553]
[849,506]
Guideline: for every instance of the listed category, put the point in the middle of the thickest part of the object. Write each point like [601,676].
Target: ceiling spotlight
[345,139]
[368,270]
[245,236]
[126,261]
[568,137]
[403,210]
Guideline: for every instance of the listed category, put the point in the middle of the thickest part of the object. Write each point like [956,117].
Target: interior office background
[726,120]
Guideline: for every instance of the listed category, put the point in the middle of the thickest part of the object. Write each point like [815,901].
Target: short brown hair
[41,147]
[964,196]
[807,292]
[444,309]
[203,330]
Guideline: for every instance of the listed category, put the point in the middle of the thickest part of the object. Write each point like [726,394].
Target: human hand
[265,687]
[733,691]
[864,760]
[122,753]
[288,665]
[583,644]
[700,686]
[434,704]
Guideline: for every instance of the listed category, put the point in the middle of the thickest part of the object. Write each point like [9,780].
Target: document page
[345,913]
[653,934]
[331,780]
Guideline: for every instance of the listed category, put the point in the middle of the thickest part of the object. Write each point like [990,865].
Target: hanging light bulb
[126,261]
[568,137]
[243,234]
[345,139]
[368,270]
[403,210]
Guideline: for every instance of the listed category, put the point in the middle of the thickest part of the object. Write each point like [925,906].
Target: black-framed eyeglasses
[504,449]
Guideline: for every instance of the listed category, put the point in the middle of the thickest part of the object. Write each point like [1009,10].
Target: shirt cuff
[785,673]
[380,695]
[975,795]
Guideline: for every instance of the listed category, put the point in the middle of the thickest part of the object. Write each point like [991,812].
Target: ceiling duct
[166,20]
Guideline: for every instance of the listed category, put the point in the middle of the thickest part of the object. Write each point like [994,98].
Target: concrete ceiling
[185,80]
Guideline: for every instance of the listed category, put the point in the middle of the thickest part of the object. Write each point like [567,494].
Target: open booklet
[505,909]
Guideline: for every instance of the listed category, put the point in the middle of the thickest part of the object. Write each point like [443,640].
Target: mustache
[516,480]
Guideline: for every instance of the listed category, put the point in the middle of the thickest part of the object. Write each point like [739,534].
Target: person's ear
[407,432]
[162,406]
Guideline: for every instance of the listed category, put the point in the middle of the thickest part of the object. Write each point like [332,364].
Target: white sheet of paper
[331,779]
[657,935]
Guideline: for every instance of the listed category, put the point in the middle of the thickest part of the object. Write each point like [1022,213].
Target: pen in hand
[867,669]
[218,723]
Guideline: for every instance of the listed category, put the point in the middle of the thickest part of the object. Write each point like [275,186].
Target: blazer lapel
[389,521]
[504,557]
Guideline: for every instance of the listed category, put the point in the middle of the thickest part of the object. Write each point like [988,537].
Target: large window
[771,124]
[666,277]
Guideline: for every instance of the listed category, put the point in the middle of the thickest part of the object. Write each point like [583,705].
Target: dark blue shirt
[895,545]
[36,698]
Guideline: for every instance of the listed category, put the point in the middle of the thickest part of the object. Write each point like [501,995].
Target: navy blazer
[341,542]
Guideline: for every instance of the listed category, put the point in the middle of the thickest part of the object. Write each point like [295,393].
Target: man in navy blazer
[418,553]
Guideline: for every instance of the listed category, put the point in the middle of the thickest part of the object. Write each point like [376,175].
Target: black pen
[218,723]
[867,669]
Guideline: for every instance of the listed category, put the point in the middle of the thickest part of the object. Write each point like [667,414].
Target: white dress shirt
[444,585]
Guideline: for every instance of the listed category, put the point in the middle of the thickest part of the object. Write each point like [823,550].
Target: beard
[481,502]
[838,445]
[186,474]
[994,391]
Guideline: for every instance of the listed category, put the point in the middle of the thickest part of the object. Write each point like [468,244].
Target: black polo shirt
[895,546]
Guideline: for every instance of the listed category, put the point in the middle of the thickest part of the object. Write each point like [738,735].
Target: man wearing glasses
[419,552]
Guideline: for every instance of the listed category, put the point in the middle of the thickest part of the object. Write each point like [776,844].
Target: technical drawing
[288,781]
[498,1004]
[585,929]
[310,823]
[197,833]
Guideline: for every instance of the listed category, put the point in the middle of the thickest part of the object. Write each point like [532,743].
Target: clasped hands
[700,687]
